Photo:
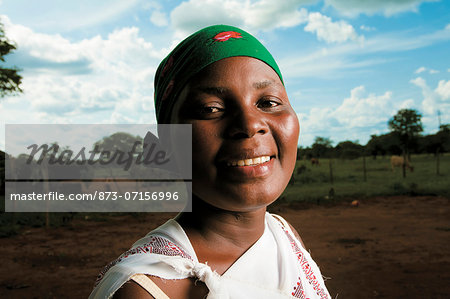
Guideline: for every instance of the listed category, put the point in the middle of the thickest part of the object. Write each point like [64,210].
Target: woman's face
[244,133]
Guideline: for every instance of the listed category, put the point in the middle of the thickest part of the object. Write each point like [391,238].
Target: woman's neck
[228,234]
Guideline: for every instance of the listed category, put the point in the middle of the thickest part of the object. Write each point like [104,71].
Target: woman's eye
[210,109]
[207,111]
[268,103]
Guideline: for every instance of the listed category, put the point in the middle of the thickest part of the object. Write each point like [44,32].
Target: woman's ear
[173,147]
[156,154]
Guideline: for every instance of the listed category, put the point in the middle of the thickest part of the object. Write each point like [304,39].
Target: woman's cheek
[204,144]
[288,129]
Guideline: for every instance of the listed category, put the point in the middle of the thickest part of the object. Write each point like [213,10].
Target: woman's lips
[257,167]
[249,162]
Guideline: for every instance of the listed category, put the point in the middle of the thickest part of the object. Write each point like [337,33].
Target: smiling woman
[244,131]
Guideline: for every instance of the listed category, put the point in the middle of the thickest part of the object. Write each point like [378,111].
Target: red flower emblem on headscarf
[226,35]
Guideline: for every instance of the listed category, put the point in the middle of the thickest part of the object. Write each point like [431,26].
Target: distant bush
[350,154]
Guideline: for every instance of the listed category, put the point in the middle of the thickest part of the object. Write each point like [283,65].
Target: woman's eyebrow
[263,84]
[215,90]
[219,90]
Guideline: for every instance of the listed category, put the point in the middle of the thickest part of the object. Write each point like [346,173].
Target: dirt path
[396,247]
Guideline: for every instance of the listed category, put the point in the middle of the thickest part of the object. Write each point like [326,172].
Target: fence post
[364,168]
[437,161]
[404,164]
[331,172]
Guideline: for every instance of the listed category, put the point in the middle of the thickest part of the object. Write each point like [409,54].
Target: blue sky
[348,65]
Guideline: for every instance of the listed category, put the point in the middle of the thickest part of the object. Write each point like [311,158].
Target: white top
[276,266]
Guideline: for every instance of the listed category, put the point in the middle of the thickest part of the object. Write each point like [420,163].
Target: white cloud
[404,41]
[424,69]
[252,15]
[258,15]
[361,114]
[436,99]
[443,89]
[407,104]
[420,70]
[271,14]
[48,47]
[419,81]
[329,31]
[122,46]
[362,109]
[255,15]
[331,61]
[159,18]
[352,8]
[65,16]
[117,86]
[367,28]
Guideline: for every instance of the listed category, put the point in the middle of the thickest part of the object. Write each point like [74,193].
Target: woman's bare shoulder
[173,288]
[131,289]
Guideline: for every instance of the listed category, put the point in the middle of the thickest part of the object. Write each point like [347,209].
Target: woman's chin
[240,199]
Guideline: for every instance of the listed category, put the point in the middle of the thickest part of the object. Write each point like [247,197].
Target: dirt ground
[387,247]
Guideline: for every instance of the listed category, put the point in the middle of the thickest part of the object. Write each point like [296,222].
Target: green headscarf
[197,51]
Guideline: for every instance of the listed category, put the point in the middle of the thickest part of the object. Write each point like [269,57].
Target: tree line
[404,138]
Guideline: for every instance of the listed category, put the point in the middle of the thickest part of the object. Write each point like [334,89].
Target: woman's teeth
[248,162]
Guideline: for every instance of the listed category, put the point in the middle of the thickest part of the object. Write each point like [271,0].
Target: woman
[244,131]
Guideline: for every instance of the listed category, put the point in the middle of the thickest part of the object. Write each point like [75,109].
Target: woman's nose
[246,123]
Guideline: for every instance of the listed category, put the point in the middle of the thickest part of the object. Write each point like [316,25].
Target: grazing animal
[397,161]
[314,161]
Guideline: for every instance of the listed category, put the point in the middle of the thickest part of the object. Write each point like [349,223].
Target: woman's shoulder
[168,239]
[166,243]
[287,227]
[159,288]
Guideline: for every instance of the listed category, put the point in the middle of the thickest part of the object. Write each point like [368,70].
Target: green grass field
[313,182]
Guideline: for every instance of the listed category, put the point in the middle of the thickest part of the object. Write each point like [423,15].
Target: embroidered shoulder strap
[154,245]
[281,220]
[285,225]
[305,263]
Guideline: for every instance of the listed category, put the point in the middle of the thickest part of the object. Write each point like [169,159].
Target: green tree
[386,144]
[321,147]
[374,147]
[407,124]
[10,79]
[120,141]
[436,143]
[349,150]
